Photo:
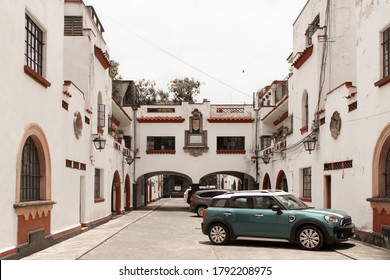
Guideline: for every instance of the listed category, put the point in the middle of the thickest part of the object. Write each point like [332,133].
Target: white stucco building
[56,180]
[57,100]
[336,95]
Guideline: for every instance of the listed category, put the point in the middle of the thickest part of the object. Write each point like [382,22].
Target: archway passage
[116,194]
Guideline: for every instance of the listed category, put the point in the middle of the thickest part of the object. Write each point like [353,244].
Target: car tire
[219,234]
[310,238]
[199,210]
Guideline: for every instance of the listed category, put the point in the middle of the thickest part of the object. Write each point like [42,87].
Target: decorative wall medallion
[77,125]
[335,125]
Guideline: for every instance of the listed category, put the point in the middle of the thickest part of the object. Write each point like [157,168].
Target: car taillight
[192,198]
[203,214]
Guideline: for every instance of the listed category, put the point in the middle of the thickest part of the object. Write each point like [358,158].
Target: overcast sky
[233,47]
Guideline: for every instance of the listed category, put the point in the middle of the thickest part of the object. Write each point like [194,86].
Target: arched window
[30,172]
[387,175]
[306,110]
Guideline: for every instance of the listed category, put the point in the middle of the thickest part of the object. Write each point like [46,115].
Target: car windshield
[291,202]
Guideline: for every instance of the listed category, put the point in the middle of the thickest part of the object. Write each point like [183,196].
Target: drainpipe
[257,109]
[135,192]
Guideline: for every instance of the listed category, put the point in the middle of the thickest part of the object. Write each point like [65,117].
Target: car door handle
[259,215]
[227,214]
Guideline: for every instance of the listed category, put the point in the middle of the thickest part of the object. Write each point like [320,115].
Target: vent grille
[73,26]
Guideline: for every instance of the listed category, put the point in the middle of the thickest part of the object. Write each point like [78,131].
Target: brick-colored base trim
[7,253]
[66,232]
[97,222]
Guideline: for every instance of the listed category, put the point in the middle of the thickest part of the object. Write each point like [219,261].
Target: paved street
[166,230]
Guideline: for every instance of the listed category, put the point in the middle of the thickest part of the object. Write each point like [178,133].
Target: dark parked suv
[200,200]
[274,214]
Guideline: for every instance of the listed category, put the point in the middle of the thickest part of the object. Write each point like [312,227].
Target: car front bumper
[344,232]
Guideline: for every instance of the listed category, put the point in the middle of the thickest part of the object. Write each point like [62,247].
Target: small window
[265,142]
[312,29]
[230,143]
[386,53]
[33,52]
[97,183]
[307,182]
[101,115]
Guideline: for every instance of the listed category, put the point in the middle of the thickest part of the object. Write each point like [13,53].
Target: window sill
[230,152]
[99,199]
[306,199]
[382,82]
[160,152]
[34,209]
[36,77]
[304,129]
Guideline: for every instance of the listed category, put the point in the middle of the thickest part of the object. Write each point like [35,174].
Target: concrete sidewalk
[75,247]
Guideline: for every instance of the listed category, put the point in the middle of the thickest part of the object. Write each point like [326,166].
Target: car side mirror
[277,209]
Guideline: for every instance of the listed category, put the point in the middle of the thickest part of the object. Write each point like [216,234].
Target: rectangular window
[265,142]
[159,143]
[231,143]
[101,115]
[386,53]
[33,52]
[307,182]
[97,183]
[312,29]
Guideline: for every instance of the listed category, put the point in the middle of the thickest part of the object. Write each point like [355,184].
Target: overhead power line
[174,56]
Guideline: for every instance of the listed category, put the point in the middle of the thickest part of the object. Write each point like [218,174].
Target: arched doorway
[116,194]
[33,184]
[380,200]
[281,181]
[128,193]
[266,182]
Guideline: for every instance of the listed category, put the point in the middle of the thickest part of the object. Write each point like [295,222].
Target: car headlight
[331,219]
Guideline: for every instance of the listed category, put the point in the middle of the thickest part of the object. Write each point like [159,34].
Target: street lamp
[266,159]
[99,142]
[310,144]
[129,160]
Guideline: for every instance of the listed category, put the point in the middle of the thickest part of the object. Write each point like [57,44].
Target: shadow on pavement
[279,244]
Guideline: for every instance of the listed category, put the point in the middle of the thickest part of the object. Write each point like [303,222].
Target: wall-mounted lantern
[310,144]
[99,142]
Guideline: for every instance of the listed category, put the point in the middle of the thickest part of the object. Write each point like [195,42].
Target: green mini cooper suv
[274,214]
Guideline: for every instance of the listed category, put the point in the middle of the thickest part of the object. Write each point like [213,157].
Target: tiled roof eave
[231,120]
[160,119]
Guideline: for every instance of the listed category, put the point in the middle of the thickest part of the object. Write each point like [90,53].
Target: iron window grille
[30,176]
[386,53]
[33,53]
[387,175]
[97,183]
[101,115]
[307,182]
